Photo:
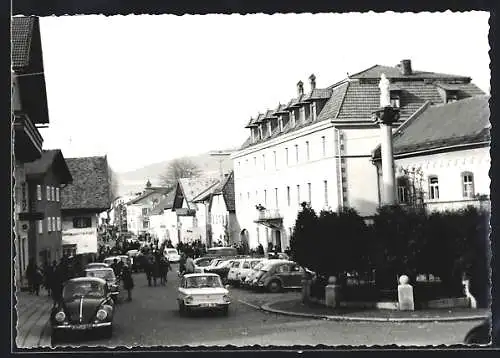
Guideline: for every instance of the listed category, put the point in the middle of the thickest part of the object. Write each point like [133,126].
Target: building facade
[442,156]
[45,178]
[88,196]
[29,109]
[318,148]
[138,210]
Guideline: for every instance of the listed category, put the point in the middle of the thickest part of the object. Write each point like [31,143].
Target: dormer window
[269,131]
[313,111]
[280,124]
[302,114]
[451,97]
[292,117]
[395,102]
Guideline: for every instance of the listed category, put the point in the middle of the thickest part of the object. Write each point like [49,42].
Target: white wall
[67,227]
[448,167]
[218,218]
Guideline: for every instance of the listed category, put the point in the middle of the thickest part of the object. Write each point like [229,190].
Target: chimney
[300,88]
[405,67]
[312,81]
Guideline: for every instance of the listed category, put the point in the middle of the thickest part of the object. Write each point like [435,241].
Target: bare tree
[179,168]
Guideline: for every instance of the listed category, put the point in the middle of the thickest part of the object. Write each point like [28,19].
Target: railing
[269,214]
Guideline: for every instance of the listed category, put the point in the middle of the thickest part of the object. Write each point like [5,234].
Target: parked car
[222,251]
[94,265]
[108,275]
[251,275]
[232,275]
[277,275]
[202,291]
[172,255]
[221,268]
[86,305]
[246,268]
[277,255]
[123,258]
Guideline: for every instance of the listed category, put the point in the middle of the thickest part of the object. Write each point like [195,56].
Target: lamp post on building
[386,116]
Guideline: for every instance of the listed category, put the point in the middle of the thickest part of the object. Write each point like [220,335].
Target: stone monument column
[386,116]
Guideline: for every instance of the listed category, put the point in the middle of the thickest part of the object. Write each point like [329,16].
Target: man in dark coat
[128,281]
[30,274]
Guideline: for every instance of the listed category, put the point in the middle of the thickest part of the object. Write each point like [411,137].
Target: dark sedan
[86,305]
[277,274]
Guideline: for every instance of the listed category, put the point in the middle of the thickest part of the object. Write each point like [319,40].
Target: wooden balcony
[268,215]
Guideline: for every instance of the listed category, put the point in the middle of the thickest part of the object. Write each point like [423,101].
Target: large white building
[318,148]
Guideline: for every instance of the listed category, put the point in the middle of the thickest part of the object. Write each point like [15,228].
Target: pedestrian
[57,284]
[165,267]
[37,280]
[189,265]
[49,276]
[148,266]
[30,274]
[128,281]
[114,266]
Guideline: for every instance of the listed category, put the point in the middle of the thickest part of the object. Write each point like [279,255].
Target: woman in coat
[128,281]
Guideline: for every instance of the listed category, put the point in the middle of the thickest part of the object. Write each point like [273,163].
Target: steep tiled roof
[147,193]
[22,32]
[462,122]
[192,187]
[356,98]
[376,71]
[91,187]
[164,204]
[228,192]
[47,160]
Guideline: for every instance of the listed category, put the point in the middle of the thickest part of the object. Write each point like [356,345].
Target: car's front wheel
[274,286]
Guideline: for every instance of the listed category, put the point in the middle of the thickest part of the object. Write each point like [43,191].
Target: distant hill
[135,180]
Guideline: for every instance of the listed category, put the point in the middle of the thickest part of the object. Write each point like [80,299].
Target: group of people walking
[156,266]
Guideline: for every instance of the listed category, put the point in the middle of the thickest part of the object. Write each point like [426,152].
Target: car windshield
[83,289]
[203,281]
[171,251]
[107,275]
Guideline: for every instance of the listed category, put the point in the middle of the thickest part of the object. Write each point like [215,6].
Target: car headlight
[188,299]
[60,316]
[226,298]
[101,314]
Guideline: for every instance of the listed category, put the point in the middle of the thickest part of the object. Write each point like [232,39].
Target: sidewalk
[32,321]
[297,308]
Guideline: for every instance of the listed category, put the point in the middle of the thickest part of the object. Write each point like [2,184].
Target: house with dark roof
[83,200]
[163,219]
[221,221]
[441,155]
[317,147]
[139,209]
[40,215]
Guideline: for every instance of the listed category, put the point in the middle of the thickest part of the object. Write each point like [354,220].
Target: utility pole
[221,155]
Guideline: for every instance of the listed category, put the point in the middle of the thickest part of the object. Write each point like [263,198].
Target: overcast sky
[143,89]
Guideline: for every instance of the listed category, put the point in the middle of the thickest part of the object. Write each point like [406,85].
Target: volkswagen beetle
[86,304]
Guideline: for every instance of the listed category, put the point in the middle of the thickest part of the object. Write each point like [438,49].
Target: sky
[143,89]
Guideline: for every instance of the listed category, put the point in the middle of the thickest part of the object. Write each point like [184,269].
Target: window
[468,185]
[49,224]
[280,124]
[292,117]
[254,161]
[283,269]
[323,145]
[313,111]
[58,194]
[433,188]
[298,194]
[309,192]
[59,228]
[264,161]
[325,185]
[288,195]
[276,196]
[296,153]
[145,224]
[40,226]
[307,151]
[39,192]
[286,156]
[403,196]
[246,265]
[265,197]
[48,193]
[82,222]
[248,195]
[144,211]
[53,193]
[274,157]
[395,101]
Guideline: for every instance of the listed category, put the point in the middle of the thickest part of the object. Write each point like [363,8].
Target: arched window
[468,185]
[433,187]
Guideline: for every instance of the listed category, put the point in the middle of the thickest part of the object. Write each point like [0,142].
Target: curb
[266,307]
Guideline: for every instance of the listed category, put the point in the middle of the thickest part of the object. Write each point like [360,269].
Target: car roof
[99,269]
[88,279]
[200,275]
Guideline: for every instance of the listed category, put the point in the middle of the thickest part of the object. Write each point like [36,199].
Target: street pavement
[32,321]
[152,319]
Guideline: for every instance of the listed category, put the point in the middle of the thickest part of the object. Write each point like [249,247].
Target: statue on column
[385,95]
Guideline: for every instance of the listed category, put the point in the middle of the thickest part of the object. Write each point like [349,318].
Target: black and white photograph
[236,180]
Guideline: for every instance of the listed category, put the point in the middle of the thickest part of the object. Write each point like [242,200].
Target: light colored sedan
[232,275]
[202,291]
[251,275]
[172,255]
[247,268]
